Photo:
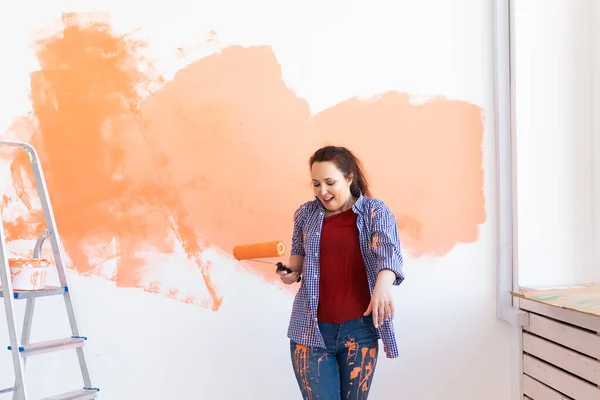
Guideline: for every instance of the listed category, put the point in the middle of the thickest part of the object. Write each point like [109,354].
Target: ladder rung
[27,294]
[49,346]
[81,394]
[9,390]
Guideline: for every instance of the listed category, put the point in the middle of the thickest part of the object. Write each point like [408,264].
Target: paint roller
[252,252]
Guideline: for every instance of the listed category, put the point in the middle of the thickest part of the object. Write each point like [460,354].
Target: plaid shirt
[380,246]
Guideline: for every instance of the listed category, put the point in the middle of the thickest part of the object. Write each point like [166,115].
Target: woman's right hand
[288,277]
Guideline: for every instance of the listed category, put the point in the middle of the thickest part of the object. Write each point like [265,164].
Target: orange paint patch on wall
[426,162]
[107,184]
[238,149]
[89,79]
[243,140]
[219,154]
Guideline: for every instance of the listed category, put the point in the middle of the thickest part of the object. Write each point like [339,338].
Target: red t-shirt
[343,286]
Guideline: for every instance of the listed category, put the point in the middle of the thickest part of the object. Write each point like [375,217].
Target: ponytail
[348,164]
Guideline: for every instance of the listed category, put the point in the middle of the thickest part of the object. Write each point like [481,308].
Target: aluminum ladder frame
[22,348]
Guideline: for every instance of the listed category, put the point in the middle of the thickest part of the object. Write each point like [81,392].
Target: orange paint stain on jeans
[301,364]
[364,373]
[352,347]
[319,361]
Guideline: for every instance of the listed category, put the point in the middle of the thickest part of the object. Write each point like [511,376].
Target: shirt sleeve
[385,241]
[298,233]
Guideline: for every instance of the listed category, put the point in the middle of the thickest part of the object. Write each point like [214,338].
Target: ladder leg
[88,391]
[26,333]
[8,296]
[28,318]
[58,253]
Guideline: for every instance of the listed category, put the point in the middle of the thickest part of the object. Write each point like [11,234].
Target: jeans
[342,371]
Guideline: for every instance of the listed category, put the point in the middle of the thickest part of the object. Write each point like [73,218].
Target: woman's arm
[385,243]
[296,261]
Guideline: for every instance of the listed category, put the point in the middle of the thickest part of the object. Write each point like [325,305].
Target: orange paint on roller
[262,250]
[259,250]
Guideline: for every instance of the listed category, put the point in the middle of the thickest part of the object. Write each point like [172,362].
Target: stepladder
[20,346]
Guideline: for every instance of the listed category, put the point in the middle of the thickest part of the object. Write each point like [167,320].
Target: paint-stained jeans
[343,371]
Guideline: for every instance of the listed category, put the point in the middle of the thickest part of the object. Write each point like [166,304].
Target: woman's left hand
[382,303]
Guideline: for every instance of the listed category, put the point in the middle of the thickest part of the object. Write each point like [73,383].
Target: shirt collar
[358,206]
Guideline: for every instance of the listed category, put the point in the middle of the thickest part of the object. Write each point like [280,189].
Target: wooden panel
[578,298]
[569,360]
[586,321]
[561,352]
[538,391]
[561,381]
[566,335]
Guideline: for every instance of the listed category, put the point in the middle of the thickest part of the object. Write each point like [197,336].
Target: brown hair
[347,163]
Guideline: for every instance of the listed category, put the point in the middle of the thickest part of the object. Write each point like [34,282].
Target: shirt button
[315,319]
[315,275]
[314,297]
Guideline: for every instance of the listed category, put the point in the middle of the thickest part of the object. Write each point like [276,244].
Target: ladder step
[27,294]
[49,346]
[9,390]
[81,394]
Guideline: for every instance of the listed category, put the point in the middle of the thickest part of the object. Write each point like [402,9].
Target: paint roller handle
[281,267]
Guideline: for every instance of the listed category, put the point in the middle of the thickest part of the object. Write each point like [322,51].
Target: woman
[345,246]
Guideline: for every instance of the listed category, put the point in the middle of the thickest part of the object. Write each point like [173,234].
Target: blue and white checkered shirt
[380,246]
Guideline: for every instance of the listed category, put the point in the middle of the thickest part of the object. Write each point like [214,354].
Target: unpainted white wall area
[595,50]
[553,72]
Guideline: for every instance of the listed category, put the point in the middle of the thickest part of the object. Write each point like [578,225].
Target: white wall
[554,139]
[595,50]
[451,344]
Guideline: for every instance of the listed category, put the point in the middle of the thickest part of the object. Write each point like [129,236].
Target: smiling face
[331,187]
